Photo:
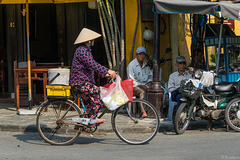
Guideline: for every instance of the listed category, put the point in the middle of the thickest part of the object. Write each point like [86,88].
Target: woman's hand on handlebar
[112,74]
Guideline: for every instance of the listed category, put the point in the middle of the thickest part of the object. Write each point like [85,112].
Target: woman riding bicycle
[82,73]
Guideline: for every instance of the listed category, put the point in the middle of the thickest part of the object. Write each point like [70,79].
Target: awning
[41,1]
[228,9]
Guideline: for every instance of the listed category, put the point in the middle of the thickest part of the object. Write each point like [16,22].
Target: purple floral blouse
[84,66]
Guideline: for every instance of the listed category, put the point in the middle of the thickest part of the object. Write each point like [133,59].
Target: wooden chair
[21,91]
[2,77]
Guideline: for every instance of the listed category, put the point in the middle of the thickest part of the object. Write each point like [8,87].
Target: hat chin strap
[88,44]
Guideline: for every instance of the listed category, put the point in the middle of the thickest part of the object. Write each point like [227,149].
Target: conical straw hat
[86,35]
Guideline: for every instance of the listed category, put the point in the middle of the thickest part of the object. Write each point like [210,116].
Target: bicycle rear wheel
[54,122]
[130,127]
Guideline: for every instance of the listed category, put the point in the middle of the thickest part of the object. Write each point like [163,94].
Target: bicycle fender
[40,106]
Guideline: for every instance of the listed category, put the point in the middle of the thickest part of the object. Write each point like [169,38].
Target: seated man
[176,77]
[198,61]
[141,74]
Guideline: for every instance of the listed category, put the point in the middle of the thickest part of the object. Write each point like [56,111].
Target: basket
[54,90]
[189,90]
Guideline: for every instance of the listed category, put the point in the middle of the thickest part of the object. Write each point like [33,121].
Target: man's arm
[171,83]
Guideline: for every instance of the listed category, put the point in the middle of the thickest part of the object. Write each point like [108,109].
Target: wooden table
[39,73]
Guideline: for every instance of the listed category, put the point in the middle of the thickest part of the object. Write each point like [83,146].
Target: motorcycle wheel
[181,121]
[232,114]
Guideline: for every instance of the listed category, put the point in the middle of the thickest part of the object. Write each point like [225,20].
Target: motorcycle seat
[223,87]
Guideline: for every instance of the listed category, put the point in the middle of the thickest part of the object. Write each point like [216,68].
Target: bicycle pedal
[86,129]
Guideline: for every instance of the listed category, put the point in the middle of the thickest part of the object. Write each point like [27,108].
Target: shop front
[229,62]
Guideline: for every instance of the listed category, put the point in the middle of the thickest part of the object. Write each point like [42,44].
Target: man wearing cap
[176,77]
[141,74]
[82,74]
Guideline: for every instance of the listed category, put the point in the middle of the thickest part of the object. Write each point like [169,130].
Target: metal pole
[219,46]
[24,34]
[28,53]
[155,93]
[156,48]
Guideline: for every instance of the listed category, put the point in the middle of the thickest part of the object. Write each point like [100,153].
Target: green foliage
[212,56]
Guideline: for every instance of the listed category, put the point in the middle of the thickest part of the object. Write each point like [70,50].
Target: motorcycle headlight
[198,74]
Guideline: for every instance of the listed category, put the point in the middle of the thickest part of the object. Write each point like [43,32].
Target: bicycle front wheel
[131,127]
[54,122]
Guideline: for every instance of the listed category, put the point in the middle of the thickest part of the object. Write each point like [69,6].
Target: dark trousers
[176,96]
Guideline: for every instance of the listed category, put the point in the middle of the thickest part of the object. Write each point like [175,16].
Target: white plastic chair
[172,104]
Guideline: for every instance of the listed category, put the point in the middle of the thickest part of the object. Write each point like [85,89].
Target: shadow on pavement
[83,139]
[197,125]
[35,138]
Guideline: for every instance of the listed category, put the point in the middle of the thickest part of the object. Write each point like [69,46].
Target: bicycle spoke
[56,126]
[130,127]
[65,113]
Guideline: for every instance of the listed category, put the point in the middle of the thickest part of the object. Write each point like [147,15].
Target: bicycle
[55,121]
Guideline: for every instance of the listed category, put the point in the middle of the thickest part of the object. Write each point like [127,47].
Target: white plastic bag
[112,95]
[207,78]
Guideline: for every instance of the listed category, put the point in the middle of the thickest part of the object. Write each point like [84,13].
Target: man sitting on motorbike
[176,77]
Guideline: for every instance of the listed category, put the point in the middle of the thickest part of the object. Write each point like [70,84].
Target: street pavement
[10,120]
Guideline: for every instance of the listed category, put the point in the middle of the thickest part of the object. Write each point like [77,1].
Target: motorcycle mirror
[198,74]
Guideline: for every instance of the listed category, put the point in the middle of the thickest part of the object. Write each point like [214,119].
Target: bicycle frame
[51,130]
[105,110]
[84,108]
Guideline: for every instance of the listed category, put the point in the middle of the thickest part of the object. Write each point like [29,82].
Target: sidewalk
[11,121]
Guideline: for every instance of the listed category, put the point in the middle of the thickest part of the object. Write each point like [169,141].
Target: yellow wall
[184,36]
[165,42]
[130,23]
[237,28]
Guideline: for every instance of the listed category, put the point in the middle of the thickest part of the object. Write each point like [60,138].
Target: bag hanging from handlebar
[113,95]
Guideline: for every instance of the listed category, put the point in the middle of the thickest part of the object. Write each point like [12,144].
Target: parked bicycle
[56,126]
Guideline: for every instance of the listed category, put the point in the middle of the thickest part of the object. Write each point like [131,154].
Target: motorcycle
[202,98]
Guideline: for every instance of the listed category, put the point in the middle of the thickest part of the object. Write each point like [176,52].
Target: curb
[32,128]
[165,126]
[17,128]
